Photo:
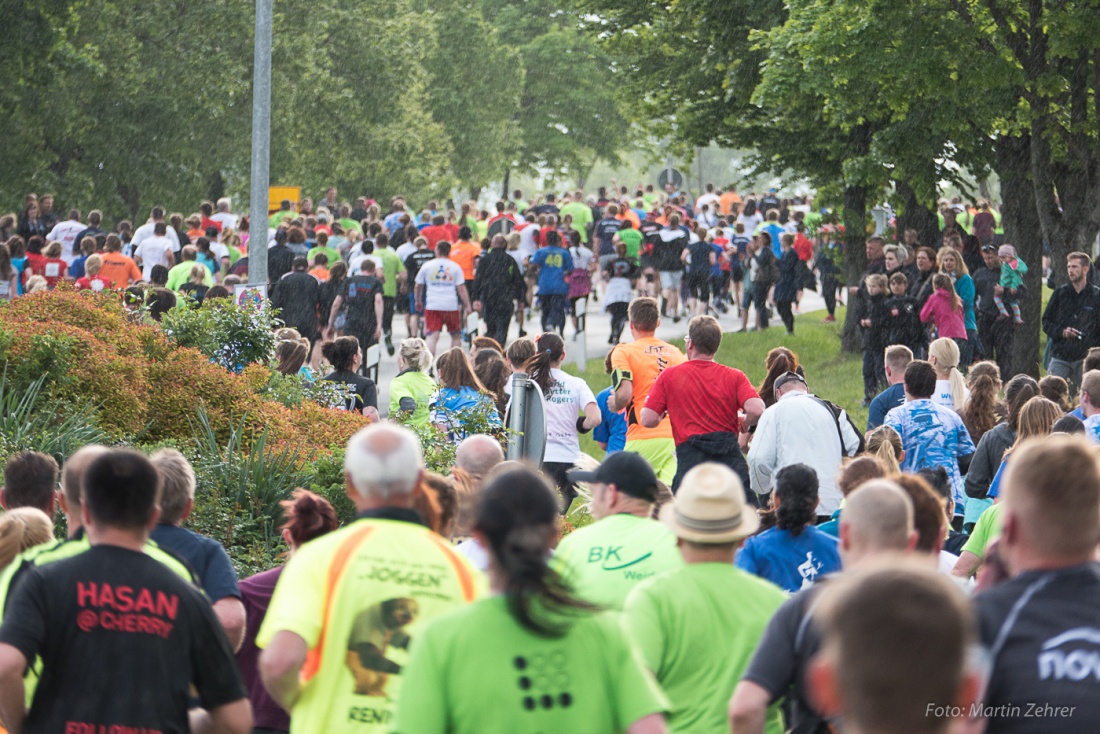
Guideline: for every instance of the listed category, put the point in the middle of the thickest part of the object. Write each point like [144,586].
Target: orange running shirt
[644,359]
[464,253]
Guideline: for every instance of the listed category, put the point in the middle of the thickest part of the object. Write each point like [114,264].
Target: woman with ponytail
[951,391]
[459,393]
[779,361]
[794,553]
[884,443]
[22,528]
[571,409]
[308,516]
[568,667]
[983,408]
[411,390]
[992,446]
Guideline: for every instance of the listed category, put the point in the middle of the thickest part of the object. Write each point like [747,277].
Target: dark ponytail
[517,513]
[796,488]
[549,348]
[779,361]
[308,516]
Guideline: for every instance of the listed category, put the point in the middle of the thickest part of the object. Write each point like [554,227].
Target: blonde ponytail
[946,352]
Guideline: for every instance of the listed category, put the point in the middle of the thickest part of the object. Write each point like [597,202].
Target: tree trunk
[215,186]
[504,187]
[915,215]
[855,258]
[1023,229]
[475,191]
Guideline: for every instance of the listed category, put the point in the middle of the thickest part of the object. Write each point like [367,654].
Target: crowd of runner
[756,561]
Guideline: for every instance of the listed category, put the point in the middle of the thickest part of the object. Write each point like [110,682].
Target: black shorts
[737,275]
[698,285]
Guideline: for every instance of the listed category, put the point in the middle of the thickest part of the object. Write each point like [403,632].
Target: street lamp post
[261,145]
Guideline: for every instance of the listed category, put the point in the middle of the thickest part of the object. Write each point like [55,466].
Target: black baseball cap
[989,248]
[629,472]
[786,377]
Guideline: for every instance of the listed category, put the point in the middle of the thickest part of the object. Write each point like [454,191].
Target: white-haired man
[347,604]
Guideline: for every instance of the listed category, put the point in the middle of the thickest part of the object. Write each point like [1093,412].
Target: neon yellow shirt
[697,628]
[985,530]
[582,217]
[604,561]
[417,387]
[478,671]
[357,597]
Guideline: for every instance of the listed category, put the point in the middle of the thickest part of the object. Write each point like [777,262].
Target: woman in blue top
[951,264]
[794,554]
[460,393]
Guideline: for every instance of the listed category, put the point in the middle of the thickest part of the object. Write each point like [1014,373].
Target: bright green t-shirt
[391,266]
[416,386]
[652,199]
[478,671]
[986,529]
[180,274]
[604,561]
[357,596]
[277,218]
[582,217]
[332,254]
[632,238]
[698,628]
[349,225]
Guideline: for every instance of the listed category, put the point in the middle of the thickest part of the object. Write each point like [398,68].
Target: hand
[865,322]
[998,290]
[327,332]
[853,290]
[1070,333]
[893,312]
[477,306]
[743,441]
[377,333]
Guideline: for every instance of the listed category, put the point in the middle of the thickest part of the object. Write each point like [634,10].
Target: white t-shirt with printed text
[440,278]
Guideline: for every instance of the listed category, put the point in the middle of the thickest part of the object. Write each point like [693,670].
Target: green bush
[231,335]
[28,420]
[294,390]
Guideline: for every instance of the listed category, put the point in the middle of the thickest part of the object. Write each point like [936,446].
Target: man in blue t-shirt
[775,230]
[931,435]
[554,264]
[897,359]
[206,556]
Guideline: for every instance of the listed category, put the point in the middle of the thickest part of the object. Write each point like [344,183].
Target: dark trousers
[784,309]
[553,311]
[618,313]
[498,317]
[720,448]
[997,337]
[558,471]
[829,285]
[388,304]
[760,301]
[874,375]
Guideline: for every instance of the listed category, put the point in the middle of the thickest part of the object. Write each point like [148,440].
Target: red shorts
[434,321]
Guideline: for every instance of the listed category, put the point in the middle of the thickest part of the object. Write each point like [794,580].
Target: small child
[1013,270]
[905,326]
[875,320]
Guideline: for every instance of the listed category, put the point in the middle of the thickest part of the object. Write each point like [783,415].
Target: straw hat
[710,507]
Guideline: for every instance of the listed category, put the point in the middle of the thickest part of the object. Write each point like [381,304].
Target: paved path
[598,331]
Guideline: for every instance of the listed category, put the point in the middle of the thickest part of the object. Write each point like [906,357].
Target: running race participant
[554,265]
[348,604]
[635,368]
[440,286]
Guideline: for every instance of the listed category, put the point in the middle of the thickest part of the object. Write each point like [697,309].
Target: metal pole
[517,423]
[261,145]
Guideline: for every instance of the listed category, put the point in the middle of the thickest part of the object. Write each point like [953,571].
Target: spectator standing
[997,335]
[875,333]
[1072,320]
[703,401]
[931,434]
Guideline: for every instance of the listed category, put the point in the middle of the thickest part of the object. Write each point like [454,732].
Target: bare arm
[231,615]
[419,296]
[621,397]
[652,724]
[280,665]
[464,296]
[592,417]
[749,708]
[650,418]
[337,304]
[967,565]
[13,707]
[754,408]
[371,412]
[230,718]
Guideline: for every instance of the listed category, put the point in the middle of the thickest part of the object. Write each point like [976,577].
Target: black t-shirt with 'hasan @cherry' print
[121,638]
